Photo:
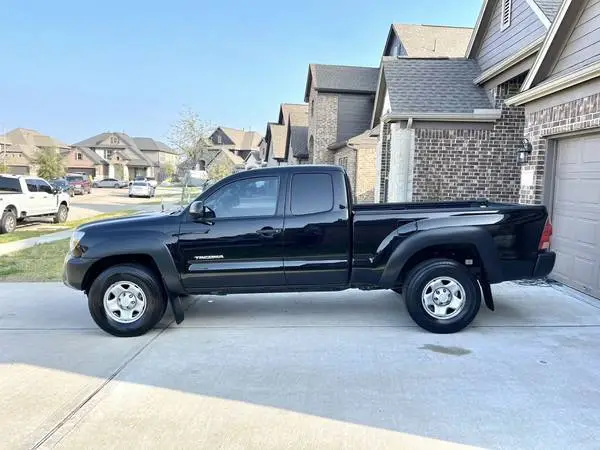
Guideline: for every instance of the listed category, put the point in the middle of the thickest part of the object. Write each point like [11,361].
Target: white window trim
[505,24]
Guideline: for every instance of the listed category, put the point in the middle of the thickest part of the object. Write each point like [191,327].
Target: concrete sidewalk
[323,370]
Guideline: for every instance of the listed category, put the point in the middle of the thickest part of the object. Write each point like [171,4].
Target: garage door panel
[576,213]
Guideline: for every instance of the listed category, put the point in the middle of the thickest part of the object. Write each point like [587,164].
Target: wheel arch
[448,242]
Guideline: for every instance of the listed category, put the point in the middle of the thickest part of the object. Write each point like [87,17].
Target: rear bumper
[544,264]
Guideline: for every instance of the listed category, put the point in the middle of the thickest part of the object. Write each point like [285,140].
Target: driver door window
[255,197]
[33,200]
[47,198]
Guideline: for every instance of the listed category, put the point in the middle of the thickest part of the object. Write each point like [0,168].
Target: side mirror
[197,209]
[55,190]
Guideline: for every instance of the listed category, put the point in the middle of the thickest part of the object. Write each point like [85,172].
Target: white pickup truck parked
[23,196]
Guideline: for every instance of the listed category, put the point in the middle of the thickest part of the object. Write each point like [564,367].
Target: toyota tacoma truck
[30,197]
[296,229]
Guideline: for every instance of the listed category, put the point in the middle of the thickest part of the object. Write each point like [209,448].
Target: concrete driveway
[335,370]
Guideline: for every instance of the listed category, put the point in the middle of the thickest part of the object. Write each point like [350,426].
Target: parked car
[141,189]
[81,183]
[62,185]
[110,183]
[24,196]
[295,228]
[150,180]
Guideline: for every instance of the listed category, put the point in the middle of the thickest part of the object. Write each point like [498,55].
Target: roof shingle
[331,78]
[435,85]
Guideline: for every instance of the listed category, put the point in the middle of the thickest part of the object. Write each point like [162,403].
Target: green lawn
[24,233]
[40,263]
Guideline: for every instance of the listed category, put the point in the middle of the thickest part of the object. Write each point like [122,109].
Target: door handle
[31,198]
[268,232]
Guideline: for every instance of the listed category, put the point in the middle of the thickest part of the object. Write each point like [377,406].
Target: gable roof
[25,136]
[237,160]
[423,41]
[365,139]
[298,113]
[332,78]
[146,143]
[130,150]
[546,11]
[556,38]
[432,86]
[277,139]
[242,140]
[91,154]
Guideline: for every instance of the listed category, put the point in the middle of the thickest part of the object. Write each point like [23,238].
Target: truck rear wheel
[127,300]
[8,222]
[442,296]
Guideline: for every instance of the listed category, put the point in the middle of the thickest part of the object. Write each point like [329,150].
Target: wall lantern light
[524,149]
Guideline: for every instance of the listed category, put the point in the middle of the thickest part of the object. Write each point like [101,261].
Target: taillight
[546,235]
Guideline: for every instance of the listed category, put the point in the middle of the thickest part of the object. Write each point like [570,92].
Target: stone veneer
[322,125]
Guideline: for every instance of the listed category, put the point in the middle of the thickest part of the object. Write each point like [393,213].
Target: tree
[50,163]
[169,169]
[189,135]
[3,167]
[219,170]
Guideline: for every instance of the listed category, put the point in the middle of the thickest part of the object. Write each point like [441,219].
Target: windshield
[140,183]
[74,178]
[60,183]
[9,184]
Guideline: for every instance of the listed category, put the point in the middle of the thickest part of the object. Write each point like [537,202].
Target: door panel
[47,198]
[317,231]
[242,245]
[32,201]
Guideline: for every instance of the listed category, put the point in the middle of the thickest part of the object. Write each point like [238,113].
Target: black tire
[417,282]
[8,223]
[130,196]
[156,300]
[61,215]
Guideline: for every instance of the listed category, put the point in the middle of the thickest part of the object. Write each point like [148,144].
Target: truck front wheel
[127,300]
[61,215]
[442,296]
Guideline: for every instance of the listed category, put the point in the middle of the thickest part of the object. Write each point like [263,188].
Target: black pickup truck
[296,229]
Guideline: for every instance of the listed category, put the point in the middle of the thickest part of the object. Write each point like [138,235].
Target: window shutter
[506,14]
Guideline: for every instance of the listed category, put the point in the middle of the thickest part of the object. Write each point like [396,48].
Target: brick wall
[322,125]
[347,158]
[577,115]
[470,163]
[366,175]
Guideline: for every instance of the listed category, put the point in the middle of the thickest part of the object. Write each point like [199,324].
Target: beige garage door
[576,213]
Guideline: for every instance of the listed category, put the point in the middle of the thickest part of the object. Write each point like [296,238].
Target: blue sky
[73,69]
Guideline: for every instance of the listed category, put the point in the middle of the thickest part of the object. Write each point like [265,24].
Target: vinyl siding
[525,27]
[583,46]
[354,115]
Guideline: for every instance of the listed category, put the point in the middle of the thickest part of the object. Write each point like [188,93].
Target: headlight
[75,238]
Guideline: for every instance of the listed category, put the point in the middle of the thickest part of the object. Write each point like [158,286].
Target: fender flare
[147,243]
[475,236]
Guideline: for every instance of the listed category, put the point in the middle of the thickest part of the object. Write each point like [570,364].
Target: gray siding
[354,115]
[583,46]
[525,27]
[225,139]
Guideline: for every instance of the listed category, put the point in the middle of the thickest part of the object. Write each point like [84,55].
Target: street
[335,370]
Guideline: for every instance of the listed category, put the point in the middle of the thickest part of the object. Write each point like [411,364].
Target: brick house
[239,142]
[118,155]
[19,148]
[560,97]
[286,140]
[442,136]
[340,103]
[358,155]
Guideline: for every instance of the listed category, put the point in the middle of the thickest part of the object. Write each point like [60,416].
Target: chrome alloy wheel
[124,302]
[443,298]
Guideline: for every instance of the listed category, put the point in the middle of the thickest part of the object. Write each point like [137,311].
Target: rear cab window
[312,193]
[9,184]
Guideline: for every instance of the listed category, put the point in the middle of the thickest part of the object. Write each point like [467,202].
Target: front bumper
[74,271]
[544,264]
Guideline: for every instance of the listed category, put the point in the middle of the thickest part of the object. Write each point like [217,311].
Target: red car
[81,183]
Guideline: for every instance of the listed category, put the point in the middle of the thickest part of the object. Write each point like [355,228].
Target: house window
[506,14]
[114,140]
[343,162]
[78,156]
[312,107]
[219,139]
[108,154]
